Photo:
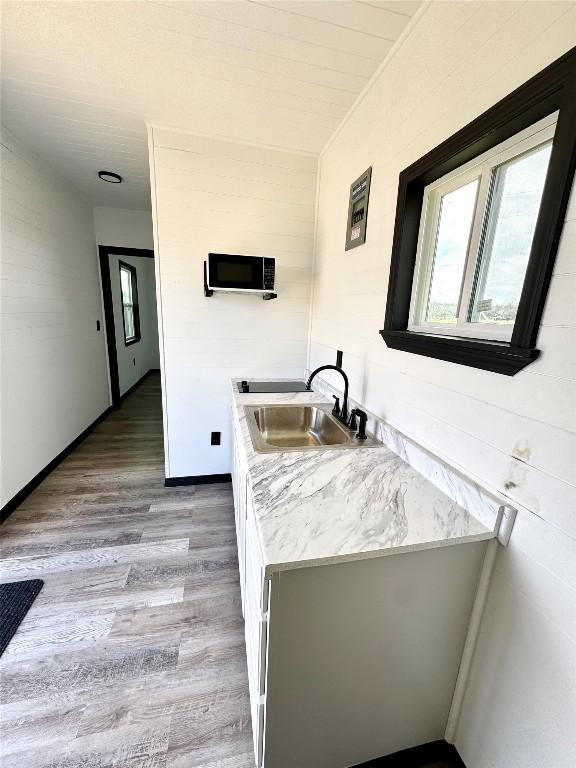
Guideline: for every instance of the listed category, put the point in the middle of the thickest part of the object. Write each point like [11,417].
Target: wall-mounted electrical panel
[358,210]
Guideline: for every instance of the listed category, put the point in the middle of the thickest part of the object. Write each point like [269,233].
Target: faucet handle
[352,420]
[361,435]
[336,409]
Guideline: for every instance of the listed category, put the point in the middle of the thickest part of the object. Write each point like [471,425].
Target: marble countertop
[327,506]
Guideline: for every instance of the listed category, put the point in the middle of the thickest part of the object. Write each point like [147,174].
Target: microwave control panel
[269,274]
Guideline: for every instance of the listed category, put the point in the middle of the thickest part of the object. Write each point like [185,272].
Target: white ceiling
[81,79]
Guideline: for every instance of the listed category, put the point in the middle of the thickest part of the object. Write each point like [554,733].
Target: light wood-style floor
[133,654]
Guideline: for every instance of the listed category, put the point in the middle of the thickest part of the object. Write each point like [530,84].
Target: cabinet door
[256,628]
[256,615]
[239,483]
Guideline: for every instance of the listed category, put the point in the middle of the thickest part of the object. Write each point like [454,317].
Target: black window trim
[552,89]
[135,306]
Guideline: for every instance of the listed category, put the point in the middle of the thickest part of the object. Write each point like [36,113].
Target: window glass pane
[511,219]
[126,283]
[452,238]
[129,323]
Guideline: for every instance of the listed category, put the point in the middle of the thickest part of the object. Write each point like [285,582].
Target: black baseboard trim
[16,500]
[137,383]
[173,482]
[419,757]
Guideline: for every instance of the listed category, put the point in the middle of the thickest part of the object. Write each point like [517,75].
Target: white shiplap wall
[515,435]
[123,227]
[54,372]
[211,195]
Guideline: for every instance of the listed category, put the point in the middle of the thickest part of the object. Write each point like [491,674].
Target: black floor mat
[435,754]
[15,601]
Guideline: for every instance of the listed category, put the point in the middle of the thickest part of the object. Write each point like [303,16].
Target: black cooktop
[271,386]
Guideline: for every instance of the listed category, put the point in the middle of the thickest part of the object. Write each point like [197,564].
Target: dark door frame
[104,251]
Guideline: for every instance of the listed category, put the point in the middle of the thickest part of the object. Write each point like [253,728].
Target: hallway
[133,653]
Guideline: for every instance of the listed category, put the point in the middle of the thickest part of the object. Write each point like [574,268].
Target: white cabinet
[255,629]
[239,485]
[256,613]
[354,660]
[254,589]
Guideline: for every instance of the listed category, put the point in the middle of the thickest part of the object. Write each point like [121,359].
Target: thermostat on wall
[358,210]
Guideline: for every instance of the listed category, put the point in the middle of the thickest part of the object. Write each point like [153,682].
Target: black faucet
[343,414]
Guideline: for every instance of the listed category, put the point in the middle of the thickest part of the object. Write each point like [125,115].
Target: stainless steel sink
[275,428]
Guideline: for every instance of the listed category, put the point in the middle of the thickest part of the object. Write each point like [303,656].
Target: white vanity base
[363,656]
[358,580]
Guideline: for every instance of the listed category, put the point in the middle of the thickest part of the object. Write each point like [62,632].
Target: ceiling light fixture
[109,176]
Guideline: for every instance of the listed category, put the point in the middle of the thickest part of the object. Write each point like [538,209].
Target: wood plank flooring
[133,654]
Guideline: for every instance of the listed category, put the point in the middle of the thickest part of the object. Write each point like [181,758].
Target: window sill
[480,333]
[131,341]
[495,356]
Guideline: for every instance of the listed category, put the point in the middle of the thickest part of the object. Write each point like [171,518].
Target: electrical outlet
[215,438]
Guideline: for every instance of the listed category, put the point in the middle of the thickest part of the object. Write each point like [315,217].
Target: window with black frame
[129,295]
[478,222]
[476,231]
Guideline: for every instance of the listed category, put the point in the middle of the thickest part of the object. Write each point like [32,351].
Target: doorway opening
[129,298]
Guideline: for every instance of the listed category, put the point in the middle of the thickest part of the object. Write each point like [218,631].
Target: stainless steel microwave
[255,274]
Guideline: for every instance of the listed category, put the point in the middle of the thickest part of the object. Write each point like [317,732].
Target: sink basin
[299,426]
[275,428]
